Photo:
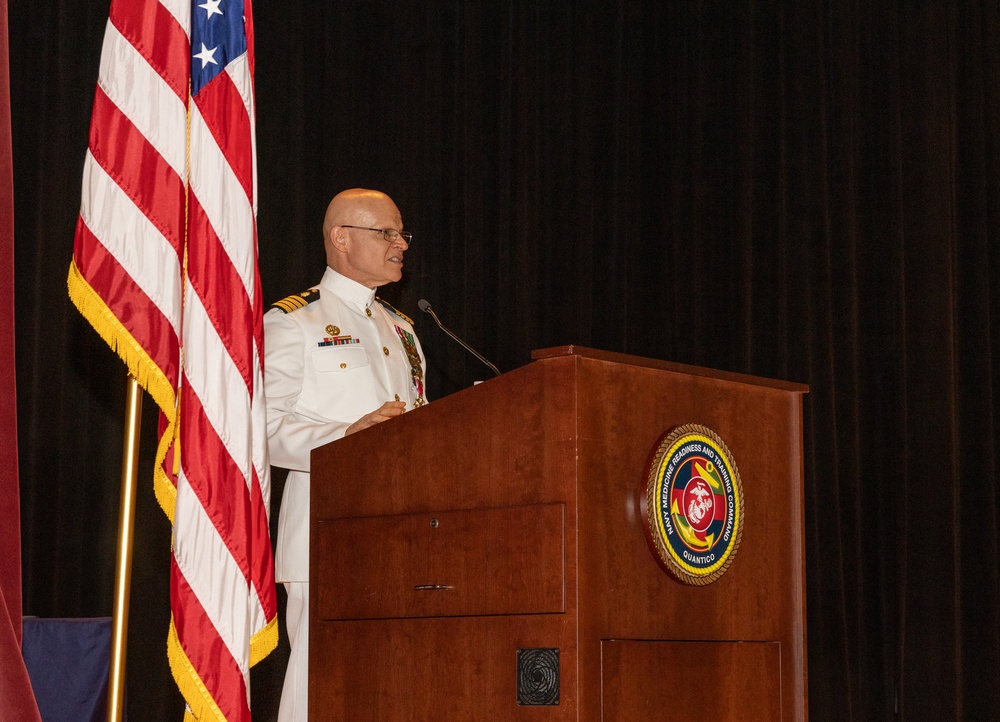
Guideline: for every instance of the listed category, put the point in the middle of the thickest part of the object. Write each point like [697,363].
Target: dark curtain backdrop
[806,191]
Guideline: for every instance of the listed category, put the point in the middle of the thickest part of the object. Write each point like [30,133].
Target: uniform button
[397,397]
[343,366]
[385,350]
[368,311]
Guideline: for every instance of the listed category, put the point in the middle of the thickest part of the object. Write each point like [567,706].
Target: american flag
[165,269]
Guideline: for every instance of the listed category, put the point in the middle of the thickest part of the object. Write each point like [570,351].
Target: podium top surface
[621,358]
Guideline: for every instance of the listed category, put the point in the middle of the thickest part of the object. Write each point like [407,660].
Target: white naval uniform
[316,387]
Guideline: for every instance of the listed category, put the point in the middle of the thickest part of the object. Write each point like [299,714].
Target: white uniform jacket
[328,361]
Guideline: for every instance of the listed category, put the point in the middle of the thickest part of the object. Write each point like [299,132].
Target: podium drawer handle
[430,587]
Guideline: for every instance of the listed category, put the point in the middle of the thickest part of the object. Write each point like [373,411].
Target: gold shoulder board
[297,300]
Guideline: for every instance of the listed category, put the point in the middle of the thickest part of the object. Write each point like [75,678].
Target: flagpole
[123,569]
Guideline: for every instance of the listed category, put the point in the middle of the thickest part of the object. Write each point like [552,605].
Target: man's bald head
[355,252]
[355,207]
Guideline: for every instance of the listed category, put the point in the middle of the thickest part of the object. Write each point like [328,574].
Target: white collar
[347,290]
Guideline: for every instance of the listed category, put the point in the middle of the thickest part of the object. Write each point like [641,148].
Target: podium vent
[538,677]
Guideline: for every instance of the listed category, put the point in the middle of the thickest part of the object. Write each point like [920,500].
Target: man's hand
[386,411]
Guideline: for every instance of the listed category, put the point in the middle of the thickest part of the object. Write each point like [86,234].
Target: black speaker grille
[538,677]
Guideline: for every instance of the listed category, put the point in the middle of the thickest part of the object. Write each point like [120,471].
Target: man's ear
[337,239]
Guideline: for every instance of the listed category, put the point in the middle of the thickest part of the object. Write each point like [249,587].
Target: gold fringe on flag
[140,366]
[190,683]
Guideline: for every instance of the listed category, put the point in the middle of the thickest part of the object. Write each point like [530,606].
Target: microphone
[426,308]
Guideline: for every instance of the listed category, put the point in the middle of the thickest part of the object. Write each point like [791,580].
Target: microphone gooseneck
[424,306]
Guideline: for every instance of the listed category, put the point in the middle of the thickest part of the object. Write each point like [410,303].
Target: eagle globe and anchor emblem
[693,507]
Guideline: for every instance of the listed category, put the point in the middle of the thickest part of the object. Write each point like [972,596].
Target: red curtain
[15,688]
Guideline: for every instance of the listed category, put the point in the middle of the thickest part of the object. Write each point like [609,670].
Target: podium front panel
[534,479]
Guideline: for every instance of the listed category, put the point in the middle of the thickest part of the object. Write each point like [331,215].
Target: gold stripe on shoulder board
[297,300]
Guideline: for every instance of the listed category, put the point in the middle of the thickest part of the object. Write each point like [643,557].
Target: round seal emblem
[692,504]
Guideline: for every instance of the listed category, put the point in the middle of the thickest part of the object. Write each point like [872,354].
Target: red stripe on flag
[225,114]
[221,291]
[262,558]
[215,479]
[139,170]
[208,654]
[157,35]
[127,301]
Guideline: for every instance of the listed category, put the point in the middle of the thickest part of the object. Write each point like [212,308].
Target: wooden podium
[476,555]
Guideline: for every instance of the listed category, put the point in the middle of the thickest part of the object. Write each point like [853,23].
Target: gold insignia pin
[333,330]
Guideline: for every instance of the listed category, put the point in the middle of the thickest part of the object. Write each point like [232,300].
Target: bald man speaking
[337,360]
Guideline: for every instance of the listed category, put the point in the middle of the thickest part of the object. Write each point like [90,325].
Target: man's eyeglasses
[389,234]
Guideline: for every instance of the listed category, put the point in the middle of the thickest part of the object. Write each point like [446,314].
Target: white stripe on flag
[144,98]
[215,578]
[240,73]
[226,205]
[117,223]
[214,378]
